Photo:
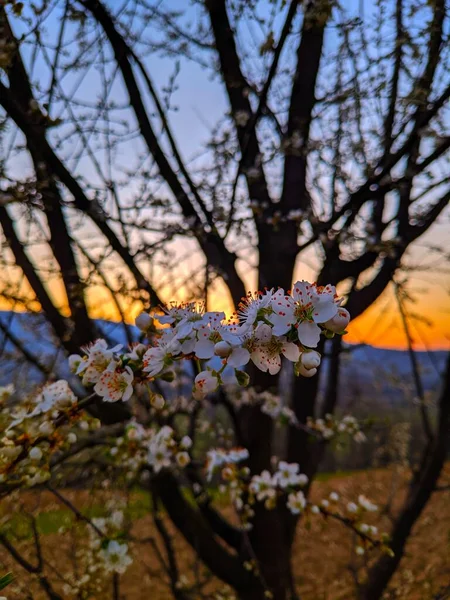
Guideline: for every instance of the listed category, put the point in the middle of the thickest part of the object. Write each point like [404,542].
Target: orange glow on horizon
[379,326]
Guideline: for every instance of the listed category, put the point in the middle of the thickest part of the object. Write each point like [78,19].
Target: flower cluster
[330,426]
[30,434]
[105,553]
[141,447]
[219,458]
[270,404]
[266,487]
[267,326]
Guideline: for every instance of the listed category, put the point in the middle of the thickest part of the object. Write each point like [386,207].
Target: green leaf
[6,580]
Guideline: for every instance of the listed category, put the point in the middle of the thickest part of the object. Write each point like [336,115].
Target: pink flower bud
[339,322]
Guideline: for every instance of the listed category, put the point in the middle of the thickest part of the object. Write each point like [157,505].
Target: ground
[324,561]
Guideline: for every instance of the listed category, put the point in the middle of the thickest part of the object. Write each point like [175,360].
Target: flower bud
[168,376]
[143,321]
[339,322]
[310,360]
[300,369]
[46,428]
[186,442]
[223,349]
[157,401]
[35,454]
[71,438]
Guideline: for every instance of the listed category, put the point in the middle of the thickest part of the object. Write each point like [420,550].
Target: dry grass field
[324,560]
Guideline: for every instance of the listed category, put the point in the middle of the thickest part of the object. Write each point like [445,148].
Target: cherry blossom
[96,360]
[115,557]
[253,306]
[287,474]
[263,486]
[307,306]
[159,357]
[266,349]
[115,384]
[296,502]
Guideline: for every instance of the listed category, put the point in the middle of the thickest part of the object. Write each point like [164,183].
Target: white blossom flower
[211,333]
[296,502]
[307,306]
[57,395]
[115,384]
[115,557]
[160,449]
[286,474]
[266,349]
[352,507]
[97,359]
[159,357]
[253,305]
[54,396]
[263,486]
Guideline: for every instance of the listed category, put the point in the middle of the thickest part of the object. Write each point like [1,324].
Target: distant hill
[365,369]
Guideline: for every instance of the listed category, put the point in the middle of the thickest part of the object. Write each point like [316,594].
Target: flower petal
[291,351]
[204,349]
[309,334]
[239,357]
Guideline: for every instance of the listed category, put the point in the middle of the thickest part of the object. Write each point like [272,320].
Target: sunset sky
[380,325]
